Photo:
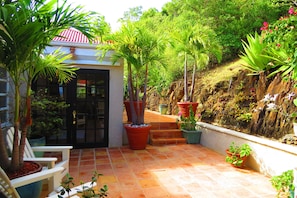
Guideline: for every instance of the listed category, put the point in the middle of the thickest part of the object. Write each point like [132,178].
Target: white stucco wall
[268,157]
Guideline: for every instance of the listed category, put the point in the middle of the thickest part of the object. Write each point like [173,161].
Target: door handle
[74,117]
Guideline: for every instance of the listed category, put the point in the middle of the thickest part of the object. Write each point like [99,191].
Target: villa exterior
[95,95]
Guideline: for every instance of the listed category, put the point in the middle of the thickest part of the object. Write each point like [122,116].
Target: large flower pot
[32,190]
[192,137]
[163,108]
[128,109]
[137,135]
[184,108]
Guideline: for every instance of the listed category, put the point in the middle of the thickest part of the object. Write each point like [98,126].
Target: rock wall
[243,103]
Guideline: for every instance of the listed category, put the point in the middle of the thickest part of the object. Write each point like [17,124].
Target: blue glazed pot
[30,190]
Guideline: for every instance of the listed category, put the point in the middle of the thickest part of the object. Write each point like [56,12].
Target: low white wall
[268,157]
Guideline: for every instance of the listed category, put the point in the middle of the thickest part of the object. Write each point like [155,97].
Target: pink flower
[179,114]
[278,45]
[291,11]
[265,26]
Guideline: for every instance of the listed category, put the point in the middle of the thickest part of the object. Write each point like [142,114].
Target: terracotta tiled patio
[167,171]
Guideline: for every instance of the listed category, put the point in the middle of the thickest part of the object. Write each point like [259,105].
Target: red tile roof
[73,35]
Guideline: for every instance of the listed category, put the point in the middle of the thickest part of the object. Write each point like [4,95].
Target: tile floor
[167,171]
[174,171]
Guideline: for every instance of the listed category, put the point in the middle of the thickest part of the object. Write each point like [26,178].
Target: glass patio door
[86,118]
[89,109]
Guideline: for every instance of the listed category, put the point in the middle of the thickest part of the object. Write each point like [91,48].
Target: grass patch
[222,73]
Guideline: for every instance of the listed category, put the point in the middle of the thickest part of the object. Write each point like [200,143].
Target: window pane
[3,101]
[3,87]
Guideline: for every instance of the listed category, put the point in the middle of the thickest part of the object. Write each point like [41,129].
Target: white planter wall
[268,157]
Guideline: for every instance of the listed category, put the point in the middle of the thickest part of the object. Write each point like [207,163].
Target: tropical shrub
[255,55]
[275,51]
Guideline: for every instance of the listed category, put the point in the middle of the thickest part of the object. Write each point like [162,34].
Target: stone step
[165,133]
[166,141]
[163,125]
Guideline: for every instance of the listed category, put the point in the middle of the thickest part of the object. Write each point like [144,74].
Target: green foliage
[280,37]
[47,115]
[254,54]
[245,117]
[232,20]
[237,153]
[284,184]
[188,123]
[26,28]
[140,49]
[67,184]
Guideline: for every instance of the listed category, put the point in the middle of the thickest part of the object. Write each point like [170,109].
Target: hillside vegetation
[229,97]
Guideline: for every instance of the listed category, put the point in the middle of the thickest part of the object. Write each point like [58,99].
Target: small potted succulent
[237,155]
[189,128]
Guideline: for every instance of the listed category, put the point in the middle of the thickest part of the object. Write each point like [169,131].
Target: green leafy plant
[67,184]
[280,38]
[188,123]
[284,184]
[245,117]
[46,115]
[236,154]
[254,49]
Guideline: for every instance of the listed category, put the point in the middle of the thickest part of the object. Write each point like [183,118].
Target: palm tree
[140,49]
[26,28]
[197,42]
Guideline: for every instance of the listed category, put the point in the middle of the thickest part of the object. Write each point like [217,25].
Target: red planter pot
[244,158]
[128,109]
[137,136]
[184,108]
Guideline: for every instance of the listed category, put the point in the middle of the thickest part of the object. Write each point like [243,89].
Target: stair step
[166,133]
[166,141]
[163,125]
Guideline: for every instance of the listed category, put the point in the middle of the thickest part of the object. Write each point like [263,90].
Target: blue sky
[114,9]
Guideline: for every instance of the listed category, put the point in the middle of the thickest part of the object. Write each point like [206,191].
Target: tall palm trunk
[193,83]
[4,162]
[186,96]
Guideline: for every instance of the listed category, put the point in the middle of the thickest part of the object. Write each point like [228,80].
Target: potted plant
[196,43]
[140,49]
[163,107]
[237,155]
[25,32]
[47,119]
[283,183]
[189,128]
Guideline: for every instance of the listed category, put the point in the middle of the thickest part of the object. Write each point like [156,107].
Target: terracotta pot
[184,108]
[137,136]
[128,109]
[244,158]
